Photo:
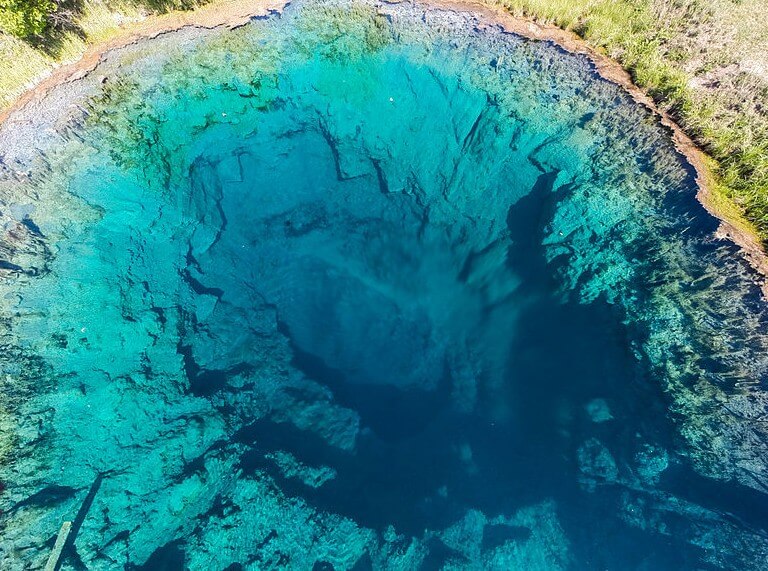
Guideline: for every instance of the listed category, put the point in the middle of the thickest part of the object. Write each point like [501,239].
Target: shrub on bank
[25,18]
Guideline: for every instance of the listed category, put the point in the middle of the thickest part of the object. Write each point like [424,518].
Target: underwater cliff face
[372,287]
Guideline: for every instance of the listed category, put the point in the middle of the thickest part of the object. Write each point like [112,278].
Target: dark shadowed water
[360,289]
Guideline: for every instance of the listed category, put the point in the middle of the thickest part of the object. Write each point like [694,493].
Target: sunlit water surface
[348,289]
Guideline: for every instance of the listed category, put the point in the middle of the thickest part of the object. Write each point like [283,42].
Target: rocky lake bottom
[370,286]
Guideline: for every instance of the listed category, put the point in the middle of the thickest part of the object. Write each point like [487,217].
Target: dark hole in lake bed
[394,314]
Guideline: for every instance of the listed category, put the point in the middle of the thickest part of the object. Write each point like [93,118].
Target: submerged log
[56,556]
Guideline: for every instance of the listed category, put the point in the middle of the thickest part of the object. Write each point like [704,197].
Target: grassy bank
[704,61]
[82,23]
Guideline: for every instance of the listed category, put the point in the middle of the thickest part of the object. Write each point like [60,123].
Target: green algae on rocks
[371,286]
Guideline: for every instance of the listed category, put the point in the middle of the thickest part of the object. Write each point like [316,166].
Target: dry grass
[704,61]
[23,64]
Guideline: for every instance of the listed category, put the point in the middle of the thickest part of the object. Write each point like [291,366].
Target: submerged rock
[599,411]
[330,290]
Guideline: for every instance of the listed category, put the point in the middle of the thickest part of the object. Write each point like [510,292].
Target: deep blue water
[375,288]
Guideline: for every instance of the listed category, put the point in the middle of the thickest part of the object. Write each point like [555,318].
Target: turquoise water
[373,288]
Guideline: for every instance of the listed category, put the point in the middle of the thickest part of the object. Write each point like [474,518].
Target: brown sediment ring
[234,13]
[226,13]
[611,70]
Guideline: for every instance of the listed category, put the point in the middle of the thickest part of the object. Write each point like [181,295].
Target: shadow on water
[420,463]
[169,557]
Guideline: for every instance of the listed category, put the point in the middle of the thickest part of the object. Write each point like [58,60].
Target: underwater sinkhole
[370,286]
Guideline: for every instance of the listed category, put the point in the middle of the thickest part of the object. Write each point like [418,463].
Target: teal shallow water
[373,287]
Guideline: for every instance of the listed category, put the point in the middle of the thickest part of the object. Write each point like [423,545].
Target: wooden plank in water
[54,559]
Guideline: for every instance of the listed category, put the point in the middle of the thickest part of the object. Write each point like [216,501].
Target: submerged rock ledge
[370,286]
[238,12]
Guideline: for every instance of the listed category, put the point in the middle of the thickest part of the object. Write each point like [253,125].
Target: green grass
[25,62]
[704,62]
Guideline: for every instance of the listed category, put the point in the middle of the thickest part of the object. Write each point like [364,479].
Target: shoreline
[225,13]
[731,227]
[234,13]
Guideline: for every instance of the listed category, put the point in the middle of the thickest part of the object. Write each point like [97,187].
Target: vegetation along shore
[704,63]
